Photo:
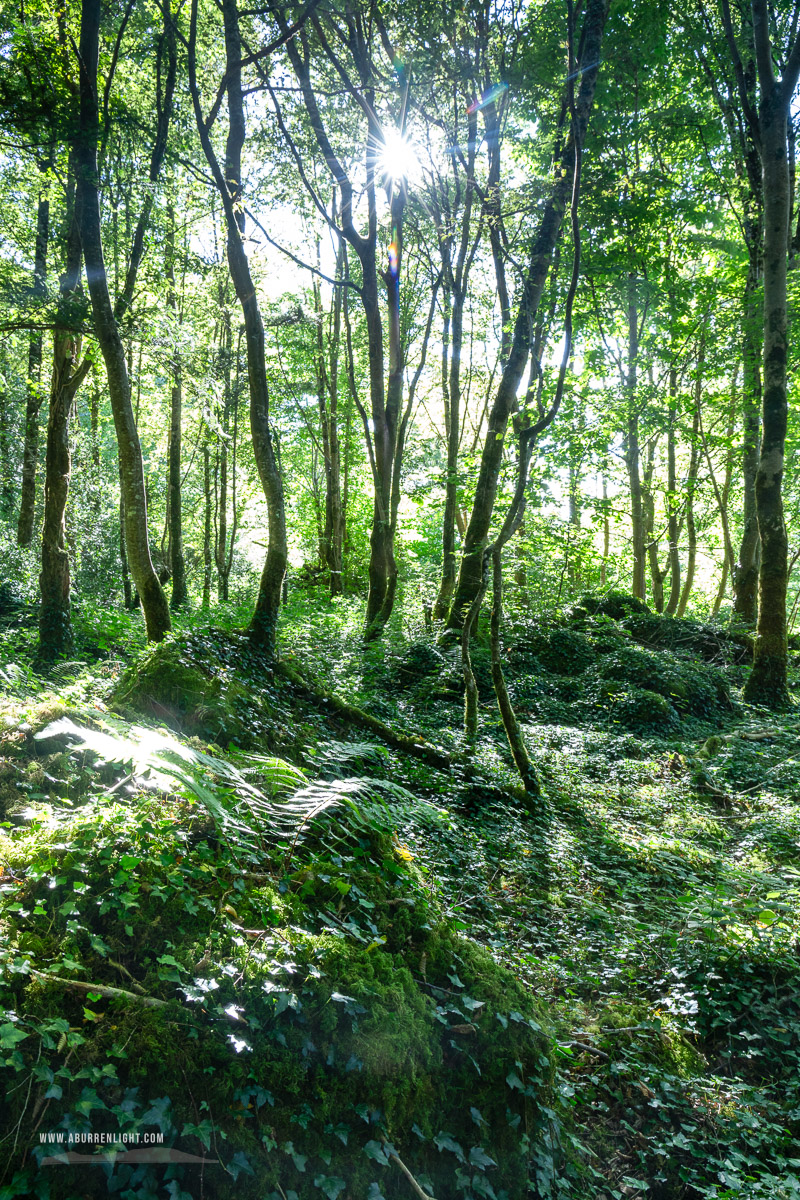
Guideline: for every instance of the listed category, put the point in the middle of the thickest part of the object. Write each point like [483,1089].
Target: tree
[154,604]
[263,626]
[768,127]
[471,572]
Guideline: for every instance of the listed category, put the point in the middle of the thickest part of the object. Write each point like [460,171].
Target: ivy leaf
[10,1035]
[444,1141]
[330,1185]
[239,1163]
[375,1151]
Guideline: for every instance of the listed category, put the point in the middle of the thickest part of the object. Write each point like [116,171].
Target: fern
[253,820]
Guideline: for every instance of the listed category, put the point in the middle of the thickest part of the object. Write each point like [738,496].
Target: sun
[398,158]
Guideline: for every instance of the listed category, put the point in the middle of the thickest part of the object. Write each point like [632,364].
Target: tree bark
[153,600]
[206,526]
[263,627]
[471,571]
[632,449]
[55,629]
[691,484]
[767,682]
[745,576]
[673,502]
[34,393]
[180,596]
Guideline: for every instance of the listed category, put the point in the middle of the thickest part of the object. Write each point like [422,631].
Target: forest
[399,588]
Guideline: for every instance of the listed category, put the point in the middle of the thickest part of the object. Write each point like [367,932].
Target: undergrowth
[377,971]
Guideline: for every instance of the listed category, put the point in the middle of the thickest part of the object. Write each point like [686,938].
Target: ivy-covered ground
[296,962]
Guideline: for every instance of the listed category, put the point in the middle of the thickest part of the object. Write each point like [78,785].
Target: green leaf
[10,1035]
[330,1185]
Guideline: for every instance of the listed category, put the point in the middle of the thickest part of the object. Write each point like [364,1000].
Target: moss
[567,652]
[643,711]
[612,604]
[217,686]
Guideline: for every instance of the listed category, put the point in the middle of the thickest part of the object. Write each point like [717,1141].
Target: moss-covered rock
[567,652]
[617,605]
[645,712]
[696,690]
[314,1017]
[215,685]
[713,643]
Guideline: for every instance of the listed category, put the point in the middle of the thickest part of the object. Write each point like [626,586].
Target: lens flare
[398,158]
[489,96]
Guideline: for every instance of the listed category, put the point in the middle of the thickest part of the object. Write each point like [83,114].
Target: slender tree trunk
[34,392]
[632,449]
[453,431]
[55,630]
[471,571]
[264,624]
[606,533]
[153,600]
[382,565]
[673,500]
[767,682]
[691,485]
[206,527]
[745,576]
[180,596]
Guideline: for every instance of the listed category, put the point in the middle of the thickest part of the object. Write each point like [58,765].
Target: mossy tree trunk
[55,628]
[767,683]
[34,392]
[505,401]
[177,563]
[673,500]
[264,623]
[455,280]
[745,576]
[153,600]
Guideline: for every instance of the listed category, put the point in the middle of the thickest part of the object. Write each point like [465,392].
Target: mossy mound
[644,712]
[616,605]
[709,642]
[214,685]
[317,1015]
[567,652]
[420,661]
[695,690]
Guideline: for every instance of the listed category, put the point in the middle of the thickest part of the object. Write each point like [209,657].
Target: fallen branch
[417,747]
[109,993]
[423,1195]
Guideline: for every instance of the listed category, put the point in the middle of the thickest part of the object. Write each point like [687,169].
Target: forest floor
[237,924]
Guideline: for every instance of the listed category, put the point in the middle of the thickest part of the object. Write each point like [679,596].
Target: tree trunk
[745,576]
[632,450]
[6,485]
[34,393]
[153,600]
[206,527]
[386,422]
[673,501]
[691,528]
[55,629]
[264,623]
[470,575]
[767,683]
[180,596]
